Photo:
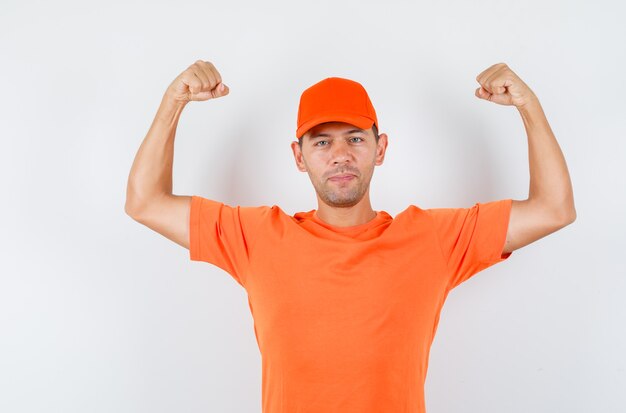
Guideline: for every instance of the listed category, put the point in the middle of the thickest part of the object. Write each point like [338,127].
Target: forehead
[334,127]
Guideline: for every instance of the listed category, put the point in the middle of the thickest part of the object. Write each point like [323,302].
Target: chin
[343,202]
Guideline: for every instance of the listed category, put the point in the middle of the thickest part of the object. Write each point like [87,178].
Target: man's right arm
[149,198]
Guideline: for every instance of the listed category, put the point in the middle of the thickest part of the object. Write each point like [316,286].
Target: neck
[358,214]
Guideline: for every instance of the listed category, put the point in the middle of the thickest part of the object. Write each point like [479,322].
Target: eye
[356,137]
[318,143]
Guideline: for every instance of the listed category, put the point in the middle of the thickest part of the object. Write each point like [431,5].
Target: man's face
[340,159]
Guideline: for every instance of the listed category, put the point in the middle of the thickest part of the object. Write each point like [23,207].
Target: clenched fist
[200,81]
[499,84]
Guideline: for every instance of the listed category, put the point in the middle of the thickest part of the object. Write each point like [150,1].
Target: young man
[346,299]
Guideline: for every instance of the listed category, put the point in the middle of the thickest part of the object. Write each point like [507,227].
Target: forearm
[151,173]
[550,182]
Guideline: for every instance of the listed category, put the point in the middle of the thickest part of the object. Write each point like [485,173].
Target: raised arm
[149,198]
[550,203]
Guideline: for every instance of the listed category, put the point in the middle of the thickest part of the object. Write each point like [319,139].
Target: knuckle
[187,78]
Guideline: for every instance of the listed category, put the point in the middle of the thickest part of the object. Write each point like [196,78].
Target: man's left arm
[550,203]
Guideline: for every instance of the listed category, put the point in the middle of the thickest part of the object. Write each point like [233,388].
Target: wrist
[172,99]
[532,114]
[531,104]
[170,107]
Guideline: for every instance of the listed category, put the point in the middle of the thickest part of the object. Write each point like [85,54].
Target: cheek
[316,161]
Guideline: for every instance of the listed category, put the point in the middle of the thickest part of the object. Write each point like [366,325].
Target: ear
[381,148]
[297,154]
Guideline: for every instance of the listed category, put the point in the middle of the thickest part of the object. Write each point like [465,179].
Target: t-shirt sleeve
[223,235]
[472,239]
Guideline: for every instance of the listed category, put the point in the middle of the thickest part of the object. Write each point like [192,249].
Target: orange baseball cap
[335,99]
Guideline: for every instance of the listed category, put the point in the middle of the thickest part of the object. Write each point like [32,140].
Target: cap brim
[356,120]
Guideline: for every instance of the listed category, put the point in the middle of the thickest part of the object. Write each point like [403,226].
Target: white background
[101,314]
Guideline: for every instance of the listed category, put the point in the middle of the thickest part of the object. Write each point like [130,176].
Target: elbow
[567,216]
[570,215]
[131,210]
[570,211]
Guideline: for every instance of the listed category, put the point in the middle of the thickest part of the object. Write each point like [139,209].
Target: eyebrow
[317,135]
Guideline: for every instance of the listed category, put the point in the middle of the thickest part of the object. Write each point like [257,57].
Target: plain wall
[101,314]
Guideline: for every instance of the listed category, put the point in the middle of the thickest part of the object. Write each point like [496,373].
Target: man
[346,299]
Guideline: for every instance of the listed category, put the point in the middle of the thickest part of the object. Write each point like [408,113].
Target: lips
[341,177]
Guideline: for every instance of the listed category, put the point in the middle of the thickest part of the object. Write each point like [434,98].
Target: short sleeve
[472,239]
[223,235]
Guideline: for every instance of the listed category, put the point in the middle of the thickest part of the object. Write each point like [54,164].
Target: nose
[340,152]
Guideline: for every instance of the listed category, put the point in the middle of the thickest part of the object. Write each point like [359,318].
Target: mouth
[341,178]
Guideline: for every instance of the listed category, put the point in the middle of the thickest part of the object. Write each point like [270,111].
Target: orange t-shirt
[344,317]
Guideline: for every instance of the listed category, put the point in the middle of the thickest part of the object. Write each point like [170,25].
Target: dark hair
[374,129]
